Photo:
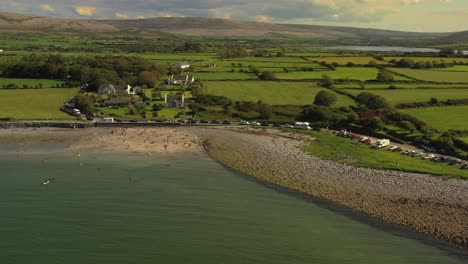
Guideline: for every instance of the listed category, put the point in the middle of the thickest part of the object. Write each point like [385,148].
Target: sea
[168,208]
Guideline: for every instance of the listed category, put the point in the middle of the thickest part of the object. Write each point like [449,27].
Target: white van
[108,119]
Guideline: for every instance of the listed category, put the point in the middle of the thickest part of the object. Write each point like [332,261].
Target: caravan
[302,125]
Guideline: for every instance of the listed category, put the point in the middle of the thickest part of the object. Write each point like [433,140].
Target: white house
[180,79]
[182,65]
[119,89]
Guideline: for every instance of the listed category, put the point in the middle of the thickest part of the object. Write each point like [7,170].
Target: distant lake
[178,209]
[385,49]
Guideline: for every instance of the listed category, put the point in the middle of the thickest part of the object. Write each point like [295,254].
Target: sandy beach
[425,203]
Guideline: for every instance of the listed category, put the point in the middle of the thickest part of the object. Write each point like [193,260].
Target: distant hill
[457,37]
[211,27]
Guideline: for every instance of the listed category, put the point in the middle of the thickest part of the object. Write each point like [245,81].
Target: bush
[325,98]
[267,76]
[372,101]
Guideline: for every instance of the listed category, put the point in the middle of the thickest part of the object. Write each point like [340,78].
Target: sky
[405,15]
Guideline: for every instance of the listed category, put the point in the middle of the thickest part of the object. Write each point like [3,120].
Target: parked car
[264,123]
[244,123]
[204,121]
[226,122]
[254,123]
[215,122]
[276,125]
[287,126]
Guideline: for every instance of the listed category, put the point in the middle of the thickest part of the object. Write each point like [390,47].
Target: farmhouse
[180,79]
[119,89]
[176,101]
[182,65]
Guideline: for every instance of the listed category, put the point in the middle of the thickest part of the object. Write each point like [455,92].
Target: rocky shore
[429,204]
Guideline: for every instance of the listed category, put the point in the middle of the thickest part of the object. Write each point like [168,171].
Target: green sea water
[177,209]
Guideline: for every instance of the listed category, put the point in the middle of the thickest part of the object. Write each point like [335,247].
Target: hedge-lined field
[415,95]
[434,76]
[29,82]
[275,93]
[442,118]
[344,60]
[34,103]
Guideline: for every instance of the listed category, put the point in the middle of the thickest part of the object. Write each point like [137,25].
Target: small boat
[46,182]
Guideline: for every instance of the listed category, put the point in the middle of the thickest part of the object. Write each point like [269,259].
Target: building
[122,101]
[180,79]
[119,89]
[182,65]
[176,101]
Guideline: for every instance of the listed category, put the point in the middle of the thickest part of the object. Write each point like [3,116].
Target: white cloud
[47,8]
[85,10]
[121,15]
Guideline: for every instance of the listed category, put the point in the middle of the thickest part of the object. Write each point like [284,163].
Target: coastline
[424,203]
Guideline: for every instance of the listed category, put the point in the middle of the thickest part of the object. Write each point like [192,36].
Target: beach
[431,205]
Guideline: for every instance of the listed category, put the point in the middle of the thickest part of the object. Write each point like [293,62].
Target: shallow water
[386,49]
[176,209]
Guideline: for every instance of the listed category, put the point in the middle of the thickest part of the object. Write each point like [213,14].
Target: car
[276,125]
[192,121]
[181,121]
[132,120]
[90,118]
[226,122]
[287,126]
[244,123]
[254,123]
[215,122]
[264,123]
[204,121]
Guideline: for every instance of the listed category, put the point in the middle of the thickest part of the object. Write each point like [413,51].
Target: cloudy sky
[408,15]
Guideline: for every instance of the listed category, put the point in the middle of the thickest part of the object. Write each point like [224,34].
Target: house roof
[174,97]
[180,77]
[120,87]
[118,101]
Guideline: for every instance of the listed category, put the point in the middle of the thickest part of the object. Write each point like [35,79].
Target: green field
[416,95]
[413,85]
[332,147]
[456,68]
[224,76]
[434,76]
[355,73]
[344,60]
[30,82]
[442,118]
[34,103]
[424,59]
[275,93]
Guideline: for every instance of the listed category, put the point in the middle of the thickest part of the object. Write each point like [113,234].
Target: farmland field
[416,59]
[401,86]
[34,103]
[29,82]
[456,68]
[355,73]
[275,93]
[345,60]
[434,76]
[416,95]
[442,118]
[224,76]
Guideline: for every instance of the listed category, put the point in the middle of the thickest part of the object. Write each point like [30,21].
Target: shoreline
[423,203]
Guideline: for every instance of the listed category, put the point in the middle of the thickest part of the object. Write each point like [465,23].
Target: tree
[372,101]
[376,123]
[406,125]
[325,98]
[327,81]
[385,76]
[265,111]
[434,101]
[84,103]
[267,76]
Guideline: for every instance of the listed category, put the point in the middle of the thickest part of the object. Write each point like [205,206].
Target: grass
[344,60]
[416,95]
[402,86]
[30,82]
[434,76]
[275,93]
[331,147]
[356,73]
[34,103]
[424,59]
[442,118]
[456,68]
[224,76]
